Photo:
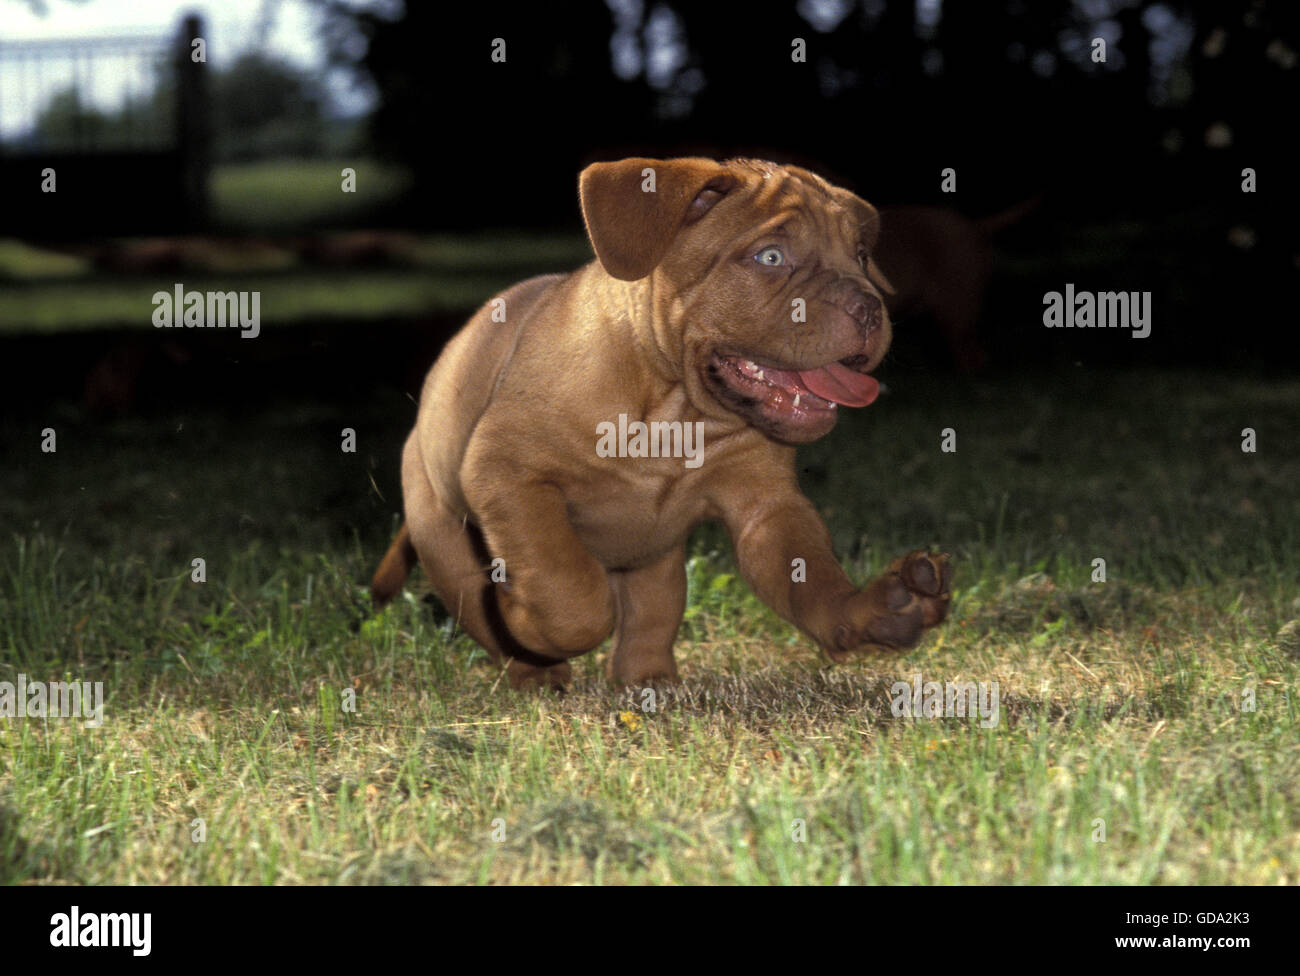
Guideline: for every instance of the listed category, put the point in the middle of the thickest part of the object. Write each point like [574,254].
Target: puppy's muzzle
[864,308]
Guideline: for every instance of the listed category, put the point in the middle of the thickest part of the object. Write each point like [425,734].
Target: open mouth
[791,404]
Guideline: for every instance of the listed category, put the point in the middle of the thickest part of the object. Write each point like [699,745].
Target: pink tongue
[841,385]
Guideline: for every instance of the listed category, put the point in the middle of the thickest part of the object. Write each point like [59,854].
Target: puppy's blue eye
[770,256]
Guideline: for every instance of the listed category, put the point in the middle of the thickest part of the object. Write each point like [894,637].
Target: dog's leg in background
[649,605]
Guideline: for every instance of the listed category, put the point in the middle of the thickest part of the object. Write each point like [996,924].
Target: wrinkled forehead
[790,193]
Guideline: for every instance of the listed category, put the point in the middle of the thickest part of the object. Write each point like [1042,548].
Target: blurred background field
[229,167]
[276,235]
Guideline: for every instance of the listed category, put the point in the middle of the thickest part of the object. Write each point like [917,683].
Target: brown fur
[686,294]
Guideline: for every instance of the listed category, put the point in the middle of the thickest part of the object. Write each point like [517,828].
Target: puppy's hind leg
[650,603]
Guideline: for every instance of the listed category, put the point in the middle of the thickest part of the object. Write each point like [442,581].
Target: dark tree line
[1005,91]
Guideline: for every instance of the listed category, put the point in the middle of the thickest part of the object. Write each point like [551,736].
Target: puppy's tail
[394,569]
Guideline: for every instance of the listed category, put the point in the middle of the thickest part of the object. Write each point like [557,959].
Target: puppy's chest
[628,522]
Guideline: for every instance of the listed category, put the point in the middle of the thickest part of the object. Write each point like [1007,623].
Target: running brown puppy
[577,428]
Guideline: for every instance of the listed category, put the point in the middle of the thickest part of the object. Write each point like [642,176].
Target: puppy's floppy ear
[631,225]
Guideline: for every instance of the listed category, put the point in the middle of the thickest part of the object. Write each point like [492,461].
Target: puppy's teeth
[796,399]
[760,375]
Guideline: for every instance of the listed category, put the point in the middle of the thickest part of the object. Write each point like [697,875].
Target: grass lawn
[1126,749]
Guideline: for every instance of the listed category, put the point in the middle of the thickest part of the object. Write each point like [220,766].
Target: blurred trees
[67,123]
[265,107]
[890,92]
[262,107]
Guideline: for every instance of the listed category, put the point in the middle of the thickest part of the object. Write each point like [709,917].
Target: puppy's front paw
[892,611]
